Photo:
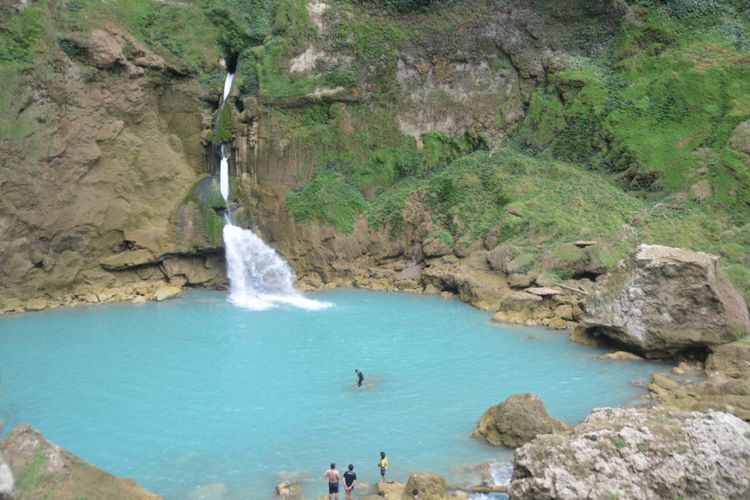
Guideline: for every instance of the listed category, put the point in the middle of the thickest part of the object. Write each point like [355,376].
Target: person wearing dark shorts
[383,465]
[333,482]
[350,477]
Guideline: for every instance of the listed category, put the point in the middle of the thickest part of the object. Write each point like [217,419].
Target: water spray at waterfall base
[259,278]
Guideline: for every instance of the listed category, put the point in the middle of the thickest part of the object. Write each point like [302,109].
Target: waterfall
[259,278]
[224,174]
[227,86]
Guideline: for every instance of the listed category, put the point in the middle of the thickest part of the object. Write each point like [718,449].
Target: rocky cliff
[368,146]
[100,145]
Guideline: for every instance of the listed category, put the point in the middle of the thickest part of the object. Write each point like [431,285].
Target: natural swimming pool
[194,392]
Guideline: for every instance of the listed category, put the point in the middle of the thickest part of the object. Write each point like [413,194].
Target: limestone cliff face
[476,81]
[111,147]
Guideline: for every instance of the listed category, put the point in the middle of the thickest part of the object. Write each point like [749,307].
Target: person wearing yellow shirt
[383,464]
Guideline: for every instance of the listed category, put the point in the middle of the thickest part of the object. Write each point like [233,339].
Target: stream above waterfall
[195,393]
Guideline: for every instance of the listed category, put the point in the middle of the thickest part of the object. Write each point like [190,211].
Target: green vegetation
[629,143]
[328,198]
[205,196]
[642,128]
[400,5]
[619,442]
[29,478]
[225,128]
[19,33]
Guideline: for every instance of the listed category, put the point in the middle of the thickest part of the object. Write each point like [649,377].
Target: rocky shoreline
[671,412]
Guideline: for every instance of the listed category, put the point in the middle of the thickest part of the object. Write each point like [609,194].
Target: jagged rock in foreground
[516,421]
[638,453]
[666,300]
[429,486]
[44,470]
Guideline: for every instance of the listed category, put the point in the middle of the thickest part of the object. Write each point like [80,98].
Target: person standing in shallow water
[333,482]
[360,378]
[350,477]
[383,464]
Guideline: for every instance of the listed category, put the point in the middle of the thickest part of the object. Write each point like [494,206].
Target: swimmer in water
[360,378]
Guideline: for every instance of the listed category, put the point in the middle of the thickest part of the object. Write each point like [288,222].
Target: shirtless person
[333,482]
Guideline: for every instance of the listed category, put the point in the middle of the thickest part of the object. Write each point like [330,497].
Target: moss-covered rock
[44,470]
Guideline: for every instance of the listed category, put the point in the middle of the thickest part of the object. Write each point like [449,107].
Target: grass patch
[619,442]
[328,198]
[29,479]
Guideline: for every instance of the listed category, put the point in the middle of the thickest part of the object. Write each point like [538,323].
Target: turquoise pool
[194,395]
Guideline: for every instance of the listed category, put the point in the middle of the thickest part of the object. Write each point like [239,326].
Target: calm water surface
[195,397]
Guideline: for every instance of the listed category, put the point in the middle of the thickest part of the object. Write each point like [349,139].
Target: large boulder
[665,300]
[45,470]
[516,421]
[429,486]
[638,453]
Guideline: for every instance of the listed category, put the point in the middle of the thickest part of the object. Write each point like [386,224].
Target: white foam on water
[259,277]
[501,474]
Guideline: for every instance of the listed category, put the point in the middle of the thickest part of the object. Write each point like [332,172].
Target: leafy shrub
[328,198]
[18,33]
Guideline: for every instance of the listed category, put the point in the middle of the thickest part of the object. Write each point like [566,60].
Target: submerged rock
[48,471]
[638,453]
[666,300]
[289,489]
[516,421]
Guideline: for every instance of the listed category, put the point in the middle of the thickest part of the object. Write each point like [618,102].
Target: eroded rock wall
[111,147]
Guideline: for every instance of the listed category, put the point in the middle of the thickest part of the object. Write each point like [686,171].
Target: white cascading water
[224,166]
[224,174]
[259,278]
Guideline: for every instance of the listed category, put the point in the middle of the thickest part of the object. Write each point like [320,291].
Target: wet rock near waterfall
[516,421]
[665,300]
[44,470]
[638,453]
